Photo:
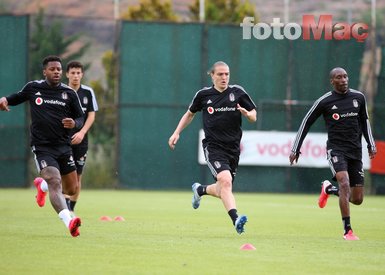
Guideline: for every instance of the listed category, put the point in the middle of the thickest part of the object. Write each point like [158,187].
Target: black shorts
[219,160]
[59,156]
[80,156]
[339,162]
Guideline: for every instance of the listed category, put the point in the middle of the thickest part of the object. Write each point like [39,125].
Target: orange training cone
[247,246]
[105,218]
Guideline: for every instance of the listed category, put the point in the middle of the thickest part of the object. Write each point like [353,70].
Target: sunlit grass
[162,234]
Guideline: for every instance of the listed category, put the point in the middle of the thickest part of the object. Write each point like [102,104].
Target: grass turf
[162,234]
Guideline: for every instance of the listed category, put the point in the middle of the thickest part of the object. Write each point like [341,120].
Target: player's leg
[40,184]
[216,161]
[336,163]
[344,200]
[344,192]
[80,157]
[51,175]
[357,195]
[70,186]
[70,183]
[72,200]
[356,176]
[223,189]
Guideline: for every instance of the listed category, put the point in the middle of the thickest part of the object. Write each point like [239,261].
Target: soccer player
[222,107]
[345,113]
[74,73]
[55,109]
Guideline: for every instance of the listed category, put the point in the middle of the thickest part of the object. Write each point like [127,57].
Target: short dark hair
[74,64]
[50,58]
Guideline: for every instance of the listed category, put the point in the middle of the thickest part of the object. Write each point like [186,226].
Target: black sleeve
[311,116]
[196,104]
[365,125]
[19,97]
[246,102]
[76,111]
[79,122]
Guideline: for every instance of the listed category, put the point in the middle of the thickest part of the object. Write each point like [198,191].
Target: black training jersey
[221,120]
[89,104]
[346,119]
[48,106]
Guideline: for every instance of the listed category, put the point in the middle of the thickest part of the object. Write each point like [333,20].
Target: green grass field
[162,234]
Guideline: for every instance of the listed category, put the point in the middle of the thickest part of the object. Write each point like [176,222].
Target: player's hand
[4,104]
[293,158]
[77,138]
[250,115]
[242,110]
[68,123]
[372,152]
[173,140]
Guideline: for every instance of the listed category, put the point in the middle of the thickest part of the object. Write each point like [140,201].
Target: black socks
[233,215]
[347,226]
[70,204]
[201,190]
[331,189]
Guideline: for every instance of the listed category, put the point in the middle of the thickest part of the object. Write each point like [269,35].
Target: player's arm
[183,123]
[70,123]
[78,136]
[250,115]
[367,131]
[77,113]
[311,116]
[16,98]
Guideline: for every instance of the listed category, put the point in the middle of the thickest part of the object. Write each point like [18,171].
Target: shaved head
[339,79]
[335,71]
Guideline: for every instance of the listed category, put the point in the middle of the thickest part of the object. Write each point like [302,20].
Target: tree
[380,24]
[151,10]
[223,11]
[103,132]
[49,40]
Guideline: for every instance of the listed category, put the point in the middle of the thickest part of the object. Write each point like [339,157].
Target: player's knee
[225,182]
[71,191]
[357,200]
[54,182]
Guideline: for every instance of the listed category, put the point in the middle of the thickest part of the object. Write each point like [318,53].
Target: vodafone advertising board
[271,148]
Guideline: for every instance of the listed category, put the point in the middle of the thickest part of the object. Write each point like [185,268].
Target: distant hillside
[342,10]
[94,19]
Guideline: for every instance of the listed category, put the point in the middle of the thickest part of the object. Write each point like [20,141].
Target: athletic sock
[233,215]
[65,216]
[346,223]
[68,204]
[201,190]
[44,186]
[72,205]
[331,189]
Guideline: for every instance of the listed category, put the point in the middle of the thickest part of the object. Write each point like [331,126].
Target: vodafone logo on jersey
[211,110]
[39,101]
[336,116]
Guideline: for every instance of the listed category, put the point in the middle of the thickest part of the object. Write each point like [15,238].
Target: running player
[222,107]
[345,113]
[55,109]
[74,73]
